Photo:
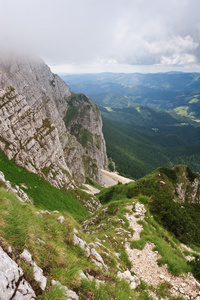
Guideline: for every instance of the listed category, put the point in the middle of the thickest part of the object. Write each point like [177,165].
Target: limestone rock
[140,209]
[61,219]
[21,195]
[83,120]
[12,283]
[30,138]
[37,271]
[90,251]
[71,295]
[33,131]
[187,185]
[132,280]
[82,275]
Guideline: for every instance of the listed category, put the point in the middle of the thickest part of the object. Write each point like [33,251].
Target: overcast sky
[75,36]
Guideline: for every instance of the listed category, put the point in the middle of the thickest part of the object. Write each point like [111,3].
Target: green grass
[138,150]
[111,290]
[54,293]
[164,244]
[21,228]
[43,194]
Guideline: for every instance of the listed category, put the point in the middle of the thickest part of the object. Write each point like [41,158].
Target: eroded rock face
[33,131]
[37,271]
[132,280]
[83,120]
[187,187]
[21,195]
[12,283]
[29,137]
[90,251]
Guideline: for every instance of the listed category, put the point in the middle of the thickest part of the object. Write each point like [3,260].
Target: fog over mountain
[94,36]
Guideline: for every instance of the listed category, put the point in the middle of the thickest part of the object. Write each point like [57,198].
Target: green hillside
[149,120]
[52,247]
[171,91]
[44,195]
[182,218]
[138,151]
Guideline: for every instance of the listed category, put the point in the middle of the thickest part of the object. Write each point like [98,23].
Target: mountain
[128,247]
[149,120]
[34,105]
[171,91]
[138,240]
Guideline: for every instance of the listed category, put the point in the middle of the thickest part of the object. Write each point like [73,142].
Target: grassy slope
[182,219]
[41,192]
[22,228]
[138,151]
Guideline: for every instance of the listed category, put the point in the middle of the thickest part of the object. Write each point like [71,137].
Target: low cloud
[89,32]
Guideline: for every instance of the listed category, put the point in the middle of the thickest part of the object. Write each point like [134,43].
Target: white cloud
[104,33]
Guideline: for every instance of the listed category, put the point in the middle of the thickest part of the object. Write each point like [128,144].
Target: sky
[91,36]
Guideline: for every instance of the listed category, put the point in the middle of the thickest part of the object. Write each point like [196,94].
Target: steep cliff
[83,121]
[187,187]
[34,103]
[28,137]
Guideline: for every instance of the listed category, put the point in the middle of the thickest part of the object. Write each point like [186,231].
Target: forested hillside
[138,151]
[149,120]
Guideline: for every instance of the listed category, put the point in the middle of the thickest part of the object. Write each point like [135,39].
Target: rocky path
[145,266]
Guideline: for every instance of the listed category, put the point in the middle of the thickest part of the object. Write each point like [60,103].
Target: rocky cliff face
[187,188]
[28,137]
[84,122]
[34,103]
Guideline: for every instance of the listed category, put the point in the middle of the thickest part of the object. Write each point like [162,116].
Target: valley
[149,120]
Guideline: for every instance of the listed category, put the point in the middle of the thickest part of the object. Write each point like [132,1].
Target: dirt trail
[112,178]
[145,266]
[90,189]
[109,179]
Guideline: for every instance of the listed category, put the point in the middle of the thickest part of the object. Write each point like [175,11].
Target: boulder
[12,282]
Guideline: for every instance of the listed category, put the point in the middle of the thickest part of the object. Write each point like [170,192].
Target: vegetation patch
[41,192]
[82,135]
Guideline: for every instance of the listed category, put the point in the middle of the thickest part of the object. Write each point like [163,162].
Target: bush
[191,175]
[171,174]
[195,264]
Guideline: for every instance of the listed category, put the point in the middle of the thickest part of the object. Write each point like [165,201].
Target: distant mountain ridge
[167,91]
[149,120]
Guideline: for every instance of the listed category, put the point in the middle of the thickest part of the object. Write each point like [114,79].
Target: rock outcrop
[83,120]
[34,104]
[12,282]
[187,187]
[21,195]
[37,271]
[28,137]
